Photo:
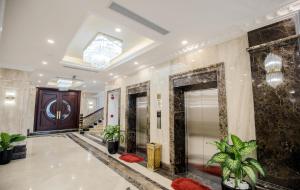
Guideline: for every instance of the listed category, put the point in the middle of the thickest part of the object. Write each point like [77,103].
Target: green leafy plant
[6,140]
[234,161]
[113,133]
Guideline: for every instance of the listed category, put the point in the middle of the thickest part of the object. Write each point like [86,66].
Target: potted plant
[235,164]
[6,147]
[112,135]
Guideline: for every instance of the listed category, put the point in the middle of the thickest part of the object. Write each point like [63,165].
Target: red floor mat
[188,184]
[131,158]
[214,170]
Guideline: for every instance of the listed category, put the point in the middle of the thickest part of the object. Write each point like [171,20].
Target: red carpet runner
[188,184]
[131,158]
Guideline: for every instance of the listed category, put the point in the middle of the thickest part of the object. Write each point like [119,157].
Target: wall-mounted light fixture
[158,113]
[273,67]
[10,97]
[91,105]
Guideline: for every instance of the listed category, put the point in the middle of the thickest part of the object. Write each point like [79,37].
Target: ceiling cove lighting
[102,50]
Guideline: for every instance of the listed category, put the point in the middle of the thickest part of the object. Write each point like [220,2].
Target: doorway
[137,117]
[191,94]
[56,110]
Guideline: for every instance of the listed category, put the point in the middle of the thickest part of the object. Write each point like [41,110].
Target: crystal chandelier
[273,67]
[102,50]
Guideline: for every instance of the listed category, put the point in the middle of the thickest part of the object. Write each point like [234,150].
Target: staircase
[93,122]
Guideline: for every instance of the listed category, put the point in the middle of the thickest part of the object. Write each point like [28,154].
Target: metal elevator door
[141,124]
[202,127]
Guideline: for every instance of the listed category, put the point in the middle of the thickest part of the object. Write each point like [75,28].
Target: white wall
[113,108]
[238,88]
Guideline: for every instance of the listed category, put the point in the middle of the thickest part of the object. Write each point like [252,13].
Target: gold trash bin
[153,156]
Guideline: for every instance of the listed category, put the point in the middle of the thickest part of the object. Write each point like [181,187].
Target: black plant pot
[5,156]
[112,147]
[226,187]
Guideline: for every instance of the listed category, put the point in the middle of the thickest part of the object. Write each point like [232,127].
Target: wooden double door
[57,110]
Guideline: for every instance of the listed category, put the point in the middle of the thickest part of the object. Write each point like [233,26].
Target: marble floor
[57,163]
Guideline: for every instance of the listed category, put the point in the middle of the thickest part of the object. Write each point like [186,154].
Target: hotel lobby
[149,95]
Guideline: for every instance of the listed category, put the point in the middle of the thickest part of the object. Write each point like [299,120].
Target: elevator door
[141,124]
[202,127]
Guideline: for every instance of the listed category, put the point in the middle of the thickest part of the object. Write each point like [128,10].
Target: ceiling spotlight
[118,29]
[111,74]
[136,63]
[184,42]
[94,81]
[50,41]
[44,62]
[39,81]
[152,67]
[41,75]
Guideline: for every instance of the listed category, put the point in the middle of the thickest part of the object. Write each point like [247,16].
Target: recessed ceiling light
[94,81]
[116,76]
[118,29]
[50,41]
[184,42]
[152,67]
[44,62]
[83,86]
[136,63]
[39,81]
[111,74]
[41,75]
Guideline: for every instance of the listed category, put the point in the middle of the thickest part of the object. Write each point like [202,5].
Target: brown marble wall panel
[277,111]
[272,32]
[204,78]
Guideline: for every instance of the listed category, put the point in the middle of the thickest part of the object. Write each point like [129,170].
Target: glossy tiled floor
[57,163]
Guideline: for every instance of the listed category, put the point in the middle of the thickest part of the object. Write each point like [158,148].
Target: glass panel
[66,110]
[50,110]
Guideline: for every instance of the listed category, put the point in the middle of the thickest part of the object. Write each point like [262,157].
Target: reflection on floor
[202,176]
[213,170]
[75,162]
[57,163]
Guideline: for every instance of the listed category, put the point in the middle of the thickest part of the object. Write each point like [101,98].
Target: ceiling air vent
[2,8]
[129,14]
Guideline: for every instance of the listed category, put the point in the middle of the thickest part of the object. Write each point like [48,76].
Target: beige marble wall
[238,88]
[19,116]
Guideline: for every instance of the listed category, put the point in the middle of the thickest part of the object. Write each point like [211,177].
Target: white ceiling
[29,23]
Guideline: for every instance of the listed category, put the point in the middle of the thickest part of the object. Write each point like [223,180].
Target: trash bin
[153,156]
